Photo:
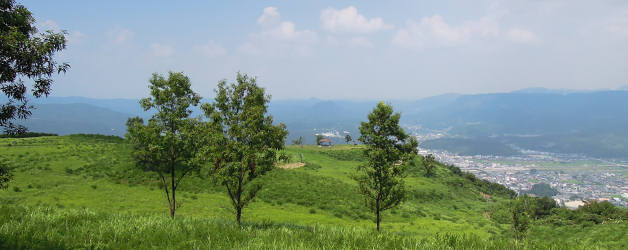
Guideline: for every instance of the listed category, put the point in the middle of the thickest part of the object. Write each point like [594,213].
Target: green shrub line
[26,135]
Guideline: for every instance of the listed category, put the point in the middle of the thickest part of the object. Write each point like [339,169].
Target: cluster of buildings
[595,180]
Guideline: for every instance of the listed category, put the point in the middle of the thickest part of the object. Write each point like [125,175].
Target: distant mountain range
[593,123]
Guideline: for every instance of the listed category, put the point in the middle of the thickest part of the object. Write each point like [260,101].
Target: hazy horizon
[341,50]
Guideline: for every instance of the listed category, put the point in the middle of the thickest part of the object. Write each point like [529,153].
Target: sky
[357,50]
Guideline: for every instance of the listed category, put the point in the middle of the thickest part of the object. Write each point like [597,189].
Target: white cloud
[270,16]
[120,35]
[76,37]
[278,36]
[350,42]
[49,25]
[435,32]
[249,49]
[618,25]
[332,40]
[348,20]
[161,50]
[286,31]
[73,37]
[522,36]
[361,42]
[618,29]
[213,49]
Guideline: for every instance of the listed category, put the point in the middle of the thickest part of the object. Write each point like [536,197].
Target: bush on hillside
[26,135]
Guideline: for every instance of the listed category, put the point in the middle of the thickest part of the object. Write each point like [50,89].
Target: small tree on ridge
[388,151]
[247,142]
[168,144]
[429,162]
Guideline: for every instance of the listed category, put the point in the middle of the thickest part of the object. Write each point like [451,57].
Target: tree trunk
[239,198]
[377,212]
[171,212]
[174,197]
[238,215]
[173,206]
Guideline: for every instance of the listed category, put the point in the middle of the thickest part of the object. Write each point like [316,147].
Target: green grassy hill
[84,191]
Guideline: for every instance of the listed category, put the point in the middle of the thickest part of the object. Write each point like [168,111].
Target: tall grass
[48,228]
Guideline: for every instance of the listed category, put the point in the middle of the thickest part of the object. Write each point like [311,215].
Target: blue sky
[341,49]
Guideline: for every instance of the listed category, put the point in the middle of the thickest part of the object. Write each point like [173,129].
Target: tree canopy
[246,142]
[542,189]
[5,174]
[169,143]
[389,150]
[429,162]
[25,54]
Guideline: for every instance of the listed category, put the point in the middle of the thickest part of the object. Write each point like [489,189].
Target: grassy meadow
[84,191]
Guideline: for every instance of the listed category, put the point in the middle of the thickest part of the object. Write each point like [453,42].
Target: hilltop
[70,188]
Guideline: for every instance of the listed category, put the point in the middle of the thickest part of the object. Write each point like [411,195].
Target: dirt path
[292,165]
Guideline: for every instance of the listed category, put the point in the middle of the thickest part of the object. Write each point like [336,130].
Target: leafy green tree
[318,139]
[25,54]
[543,207]
[542,189]
[168,144]
[298,141]
[389,151]
[429,162]
[521,215]
[247,141]
[5,174]
[284,157]
[348,138]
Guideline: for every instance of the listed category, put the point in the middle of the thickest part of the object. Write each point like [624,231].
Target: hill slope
[316,206]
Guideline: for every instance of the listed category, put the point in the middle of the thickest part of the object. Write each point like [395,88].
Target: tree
[542,189]
[5,174]
[348,138]
[169,142]
[428,164]
[389,151]
[247,142]
[25,54]
[298,141]
[520,215]
[318,139]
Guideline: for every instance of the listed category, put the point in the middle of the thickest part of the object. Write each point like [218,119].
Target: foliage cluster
[484,185]
[25,54]
[593,212]
[26,135]
[389,151]
[542,189]
[235,145]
